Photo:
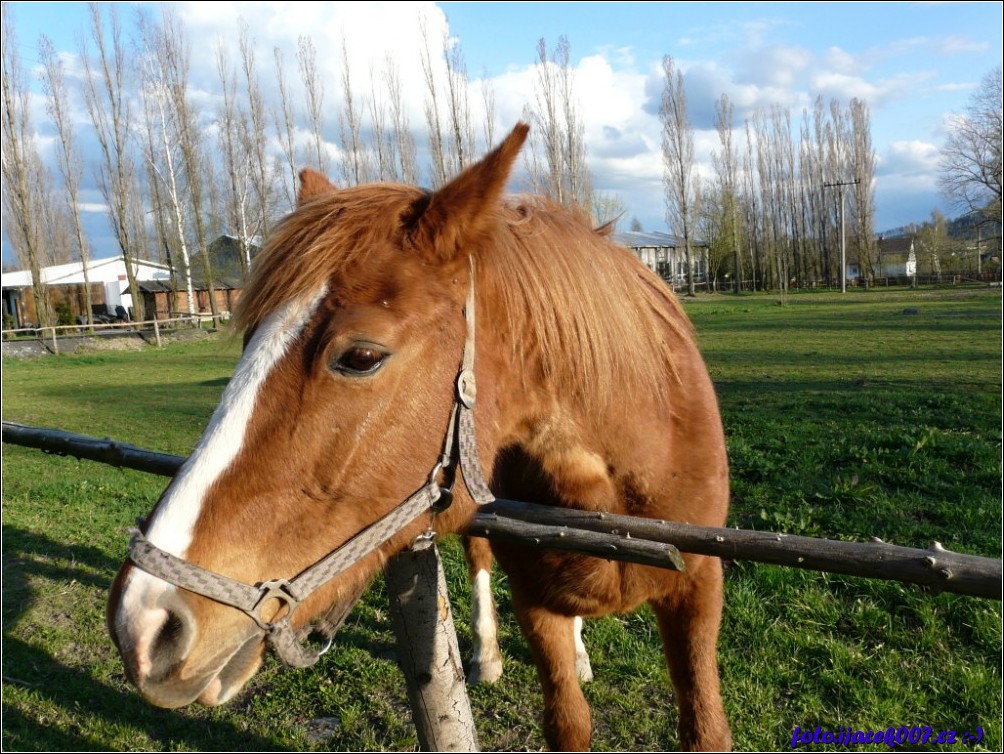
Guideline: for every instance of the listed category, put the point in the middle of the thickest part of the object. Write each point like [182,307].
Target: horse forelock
[326,242]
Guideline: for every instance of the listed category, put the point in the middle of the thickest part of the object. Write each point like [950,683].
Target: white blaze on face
[173,523]
[140,612]
[142,608]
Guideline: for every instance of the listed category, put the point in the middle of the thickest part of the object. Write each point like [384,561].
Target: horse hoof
[485,672]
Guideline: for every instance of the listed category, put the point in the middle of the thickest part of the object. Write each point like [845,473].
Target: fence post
[428,652]
[156,330]
[55,342]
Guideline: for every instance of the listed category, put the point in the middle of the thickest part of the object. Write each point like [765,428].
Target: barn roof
[637,239]
[164,286]
[104,270]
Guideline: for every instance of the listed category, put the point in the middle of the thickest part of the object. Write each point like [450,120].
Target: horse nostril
[170,634]
[170,644]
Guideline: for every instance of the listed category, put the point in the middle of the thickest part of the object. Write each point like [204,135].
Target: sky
[913,63]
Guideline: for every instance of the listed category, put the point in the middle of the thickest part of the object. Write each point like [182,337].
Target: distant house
[666,256]
[162,300]
[897,257]
[226,255]
[109,287]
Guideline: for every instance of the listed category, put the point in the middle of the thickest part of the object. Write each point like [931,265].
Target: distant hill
[964,226]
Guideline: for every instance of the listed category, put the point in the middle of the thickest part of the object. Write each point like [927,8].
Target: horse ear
[312,185]
[454,216]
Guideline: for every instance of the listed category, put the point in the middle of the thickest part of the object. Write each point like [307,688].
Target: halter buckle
[467,390]
[278,589]
[442,494]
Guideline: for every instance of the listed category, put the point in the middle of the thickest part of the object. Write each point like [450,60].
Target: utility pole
[843,240]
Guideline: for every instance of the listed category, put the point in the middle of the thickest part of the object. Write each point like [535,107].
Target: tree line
[797,208]
[176,170]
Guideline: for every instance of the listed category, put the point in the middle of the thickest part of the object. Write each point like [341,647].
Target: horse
[363,378]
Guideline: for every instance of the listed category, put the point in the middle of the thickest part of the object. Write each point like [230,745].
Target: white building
[109,274]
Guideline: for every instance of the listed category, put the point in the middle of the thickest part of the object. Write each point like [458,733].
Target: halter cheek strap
[460,449]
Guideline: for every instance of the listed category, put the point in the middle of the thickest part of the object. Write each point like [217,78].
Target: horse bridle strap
[459,449]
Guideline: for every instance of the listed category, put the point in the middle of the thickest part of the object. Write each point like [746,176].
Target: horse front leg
[688,620]
[551,637]
[486,657]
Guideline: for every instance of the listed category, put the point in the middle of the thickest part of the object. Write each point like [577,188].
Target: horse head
[338,410]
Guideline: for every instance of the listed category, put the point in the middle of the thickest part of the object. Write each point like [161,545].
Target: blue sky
[913,63]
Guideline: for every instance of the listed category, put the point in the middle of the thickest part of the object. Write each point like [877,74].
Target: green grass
[845,418]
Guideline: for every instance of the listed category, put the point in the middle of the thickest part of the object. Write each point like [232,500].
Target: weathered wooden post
[429,654]
[156,330]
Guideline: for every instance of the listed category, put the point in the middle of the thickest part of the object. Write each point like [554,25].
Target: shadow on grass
[80,695]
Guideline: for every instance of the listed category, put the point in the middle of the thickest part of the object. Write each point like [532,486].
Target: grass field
[869,414]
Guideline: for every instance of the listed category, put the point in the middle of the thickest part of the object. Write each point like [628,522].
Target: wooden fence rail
[50,335]
[627,538]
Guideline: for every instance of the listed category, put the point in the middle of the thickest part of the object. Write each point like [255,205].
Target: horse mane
[597,318]
[571,306]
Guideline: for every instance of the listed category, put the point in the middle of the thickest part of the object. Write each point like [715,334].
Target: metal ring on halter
[277,589]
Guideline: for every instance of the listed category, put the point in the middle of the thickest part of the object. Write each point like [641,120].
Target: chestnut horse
[590,394]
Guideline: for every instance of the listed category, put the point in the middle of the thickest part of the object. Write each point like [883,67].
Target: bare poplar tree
[68,158]
[863,157]
[811,197]
[355,166]
[726,169]
[573,153]
[838,176]
[782,155]
[460,146]
[437,148]
[162,157]
[491,117]
[285,129]
[679,177]
[22,168]
[751,190]
[254,135]
[174,53]
[160,206]
[232,135]
[108,104]
[383,139]
[544,169]
[404,142]
[556,160]
[313,86]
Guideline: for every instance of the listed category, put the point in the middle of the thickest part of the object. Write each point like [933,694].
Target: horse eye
[359,360]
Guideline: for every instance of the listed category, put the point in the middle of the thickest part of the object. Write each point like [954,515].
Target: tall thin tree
[313,86]
[109,104]
[71,168]
[679,175]
[726,168]
[22,202]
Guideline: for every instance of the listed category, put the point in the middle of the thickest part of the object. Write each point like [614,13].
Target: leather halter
[459,449]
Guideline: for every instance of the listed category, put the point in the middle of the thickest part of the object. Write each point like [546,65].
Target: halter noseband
[459,450]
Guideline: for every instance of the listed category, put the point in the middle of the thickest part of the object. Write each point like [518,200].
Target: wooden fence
[49,336]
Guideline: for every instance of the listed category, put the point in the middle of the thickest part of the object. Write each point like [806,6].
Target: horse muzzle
[172,656]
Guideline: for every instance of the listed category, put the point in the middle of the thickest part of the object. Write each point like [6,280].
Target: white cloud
[97,207]
[908,159]
[956,45]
